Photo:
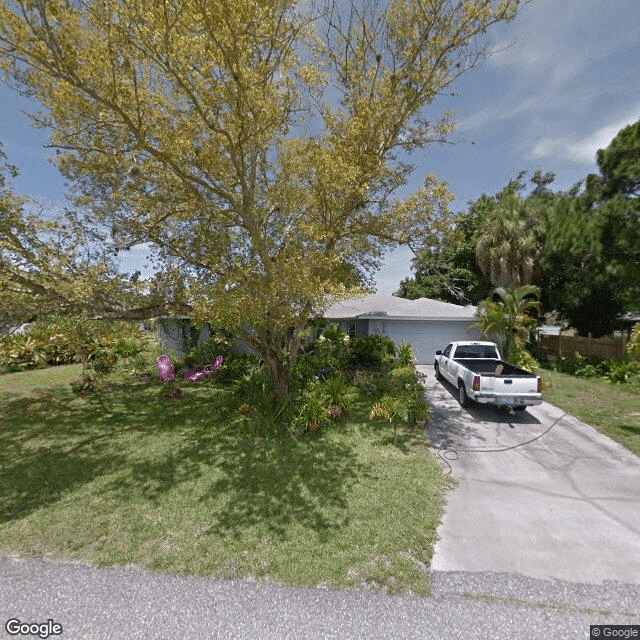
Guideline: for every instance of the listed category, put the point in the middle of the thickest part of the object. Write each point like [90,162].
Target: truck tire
[437,371]
[463,398]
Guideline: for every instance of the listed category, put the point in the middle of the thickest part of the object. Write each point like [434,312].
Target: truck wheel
[463,398]
[437,371]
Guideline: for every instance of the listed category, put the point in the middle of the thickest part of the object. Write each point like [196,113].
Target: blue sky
[564,80]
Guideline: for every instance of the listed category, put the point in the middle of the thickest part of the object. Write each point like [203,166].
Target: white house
[426,324]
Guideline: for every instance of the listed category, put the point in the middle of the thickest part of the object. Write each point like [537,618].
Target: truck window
[477,351]
[447,352]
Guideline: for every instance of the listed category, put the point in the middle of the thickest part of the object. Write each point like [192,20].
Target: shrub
[338,395]
[60,339]
[84,385]
[236,365]
[312,413]
[633,344]
[314,365]
[622,371]
[578,365]
[372,352]
[523,359]
[403,376]
[405,355]
[217,344]
[103,362]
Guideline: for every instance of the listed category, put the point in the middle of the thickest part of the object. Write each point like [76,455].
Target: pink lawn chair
[165,369]
[191,375]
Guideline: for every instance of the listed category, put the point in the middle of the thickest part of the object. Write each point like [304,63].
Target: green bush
[217,344]
[617,371]
[582,366]
[633,344]
[236,365]
[403,376]
[523,359]
[622,372]
[339,395]
[60,339]
[372,352]
[405,355]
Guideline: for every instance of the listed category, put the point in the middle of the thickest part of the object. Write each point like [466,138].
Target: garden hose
[446,454]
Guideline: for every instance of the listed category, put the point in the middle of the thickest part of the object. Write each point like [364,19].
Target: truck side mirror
[439,352]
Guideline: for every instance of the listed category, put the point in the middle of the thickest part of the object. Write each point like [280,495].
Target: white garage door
[427,337]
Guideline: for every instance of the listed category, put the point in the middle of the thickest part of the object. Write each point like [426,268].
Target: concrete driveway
[539,494]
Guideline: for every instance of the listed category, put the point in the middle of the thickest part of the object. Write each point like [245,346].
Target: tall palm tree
[507,319]
[509,245]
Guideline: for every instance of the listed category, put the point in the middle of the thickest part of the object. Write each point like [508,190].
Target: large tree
[448,270]
[255,145]
[592,250]
[510,236]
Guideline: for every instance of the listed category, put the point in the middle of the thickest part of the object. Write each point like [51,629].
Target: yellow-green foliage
[62,339]
[633,345]
[183,125]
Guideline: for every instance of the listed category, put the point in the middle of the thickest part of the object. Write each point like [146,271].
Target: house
[426,324]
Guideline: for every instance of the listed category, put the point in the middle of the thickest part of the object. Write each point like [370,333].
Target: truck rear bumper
[508,400]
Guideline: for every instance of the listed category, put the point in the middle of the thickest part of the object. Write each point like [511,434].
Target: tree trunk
[280,377]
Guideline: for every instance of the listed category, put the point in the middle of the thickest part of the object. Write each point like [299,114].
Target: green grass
[613,409]
[192,488]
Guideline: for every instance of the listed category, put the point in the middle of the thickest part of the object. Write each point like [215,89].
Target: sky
[564,78]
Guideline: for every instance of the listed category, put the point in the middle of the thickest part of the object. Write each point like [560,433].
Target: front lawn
[613,409]
[123,478]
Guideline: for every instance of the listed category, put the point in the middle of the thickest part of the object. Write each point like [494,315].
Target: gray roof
[382,305]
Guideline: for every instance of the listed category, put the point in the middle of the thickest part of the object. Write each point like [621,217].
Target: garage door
[427,337]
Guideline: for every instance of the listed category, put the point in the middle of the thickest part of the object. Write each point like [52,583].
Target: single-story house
[426,324]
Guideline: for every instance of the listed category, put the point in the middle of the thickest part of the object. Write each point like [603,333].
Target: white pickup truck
[476,370]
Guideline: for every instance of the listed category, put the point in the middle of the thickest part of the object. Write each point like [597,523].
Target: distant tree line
[580,248]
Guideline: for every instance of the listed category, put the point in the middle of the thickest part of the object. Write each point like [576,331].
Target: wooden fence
[559,346]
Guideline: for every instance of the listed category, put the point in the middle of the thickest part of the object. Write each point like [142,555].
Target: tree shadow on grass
[49,447]
[54,443]
[277,483]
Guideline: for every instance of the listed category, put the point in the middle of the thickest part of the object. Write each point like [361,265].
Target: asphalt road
[129,604]
[540,540]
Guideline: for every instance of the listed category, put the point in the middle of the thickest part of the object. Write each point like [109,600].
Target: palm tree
[509,245]
[507,319]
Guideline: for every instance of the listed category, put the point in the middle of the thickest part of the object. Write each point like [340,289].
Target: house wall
[175,334]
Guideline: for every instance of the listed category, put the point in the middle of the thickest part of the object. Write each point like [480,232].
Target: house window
[349,328]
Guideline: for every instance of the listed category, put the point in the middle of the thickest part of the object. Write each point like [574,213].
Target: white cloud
[581,150]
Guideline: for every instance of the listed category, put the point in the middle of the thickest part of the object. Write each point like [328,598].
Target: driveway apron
[539,493]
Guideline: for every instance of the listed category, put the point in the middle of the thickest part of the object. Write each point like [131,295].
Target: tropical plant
[506,317]
[393,408]
[509,245]
[339,396]
[371,352]
[313,412]
[404,357]
[633,344]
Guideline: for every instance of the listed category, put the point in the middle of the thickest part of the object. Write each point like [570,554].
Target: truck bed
[492,368]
